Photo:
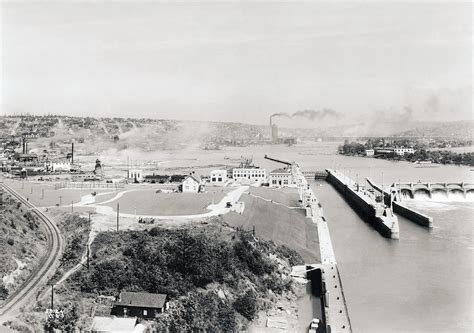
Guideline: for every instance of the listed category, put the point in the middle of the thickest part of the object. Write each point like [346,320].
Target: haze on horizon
[237,61]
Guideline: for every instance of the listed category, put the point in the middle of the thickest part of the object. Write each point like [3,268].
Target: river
[420,283]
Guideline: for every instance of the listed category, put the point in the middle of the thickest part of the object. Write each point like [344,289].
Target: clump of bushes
[182,264]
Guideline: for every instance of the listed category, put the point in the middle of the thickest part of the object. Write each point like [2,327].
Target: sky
[236,61]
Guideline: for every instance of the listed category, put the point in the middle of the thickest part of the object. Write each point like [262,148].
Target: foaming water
[454,196]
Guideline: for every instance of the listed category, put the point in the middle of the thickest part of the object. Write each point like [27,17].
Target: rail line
[11,306]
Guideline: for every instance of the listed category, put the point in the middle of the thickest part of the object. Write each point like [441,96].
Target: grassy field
[286,196]
[44,194]
[148,202]
[274,222]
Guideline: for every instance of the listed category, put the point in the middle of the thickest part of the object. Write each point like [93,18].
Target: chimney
[23,146]
[72,153]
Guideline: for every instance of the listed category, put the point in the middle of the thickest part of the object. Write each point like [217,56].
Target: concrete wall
[412,215]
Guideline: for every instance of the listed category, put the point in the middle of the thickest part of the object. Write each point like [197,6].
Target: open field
[275,222]
[34,192]
[285,196]
[148,202]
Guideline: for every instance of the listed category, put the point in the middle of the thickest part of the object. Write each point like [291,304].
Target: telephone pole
[118,215]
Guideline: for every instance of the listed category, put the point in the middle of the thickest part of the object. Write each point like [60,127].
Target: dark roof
[142,300]
[280,170]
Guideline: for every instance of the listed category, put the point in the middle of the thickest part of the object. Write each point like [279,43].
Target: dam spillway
[365,204]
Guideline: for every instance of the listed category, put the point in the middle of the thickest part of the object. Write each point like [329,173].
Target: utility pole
[383,196]
[88,255]
[253,231]
[399,191]
[42,194]
[60,200]
[52,296]
[118,215]
[89,217]
[72,206]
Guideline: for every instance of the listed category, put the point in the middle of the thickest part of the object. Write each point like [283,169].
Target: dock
[326,275]
[365,204]
[402,210]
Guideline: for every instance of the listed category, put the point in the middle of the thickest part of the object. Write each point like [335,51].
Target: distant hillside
[454,129]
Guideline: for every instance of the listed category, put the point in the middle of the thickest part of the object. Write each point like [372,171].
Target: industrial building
[58,165]
[274,133]
[249,175]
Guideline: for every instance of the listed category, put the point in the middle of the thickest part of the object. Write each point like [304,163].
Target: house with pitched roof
[139,304]
[192,184]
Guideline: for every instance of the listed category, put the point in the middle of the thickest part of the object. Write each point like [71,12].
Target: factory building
[248,175]
[58,165]
[274,133]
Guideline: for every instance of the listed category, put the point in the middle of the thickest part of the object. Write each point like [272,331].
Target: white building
[369,152]
[58,165]
[192,184]
[218,177]
[249,175]
[135,175]
[402,151]
[281,177]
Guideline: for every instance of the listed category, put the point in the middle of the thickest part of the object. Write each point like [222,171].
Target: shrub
[10,241]
[246,305]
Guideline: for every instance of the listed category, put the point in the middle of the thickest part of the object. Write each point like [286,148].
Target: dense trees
[421,154]
[183,264]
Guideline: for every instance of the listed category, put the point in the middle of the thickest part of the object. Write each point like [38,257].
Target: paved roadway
[25,294]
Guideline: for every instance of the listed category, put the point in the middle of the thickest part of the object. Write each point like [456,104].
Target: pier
[364,202]
[336,316]
[400,209]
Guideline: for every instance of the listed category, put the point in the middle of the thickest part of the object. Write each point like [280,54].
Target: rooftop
[145,300]
[113,324]
[280,170]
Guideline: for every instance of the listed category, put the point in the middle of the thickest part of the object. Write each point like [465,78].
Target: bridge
[320,174]
[410,189]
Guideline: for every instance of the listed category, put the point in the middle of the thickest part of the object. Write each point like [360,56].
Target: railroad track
[30,287]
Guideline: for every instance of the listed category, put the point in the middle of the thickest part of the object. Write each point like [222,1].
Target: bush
[3,292]
[198,312]
[10,241]
[246,305]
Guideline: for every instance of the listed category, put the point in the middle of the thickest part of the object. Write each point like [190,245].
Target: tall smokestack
[23,146]
[72,153]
